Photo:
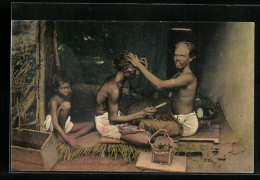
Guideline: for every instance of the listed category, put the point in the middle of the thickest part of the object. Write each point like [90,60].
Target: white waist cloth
[49,124]
[106,129]
[189,123]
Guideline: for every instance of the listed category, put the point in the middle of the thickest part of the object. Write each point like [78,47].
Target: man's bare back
[103,94]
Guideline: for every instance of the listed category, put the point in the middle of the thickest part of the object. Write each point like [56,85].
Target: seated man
[109,123]
[183,86]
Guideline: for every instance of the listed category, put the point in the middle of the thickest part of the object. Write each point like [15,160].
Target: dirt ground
[239,163]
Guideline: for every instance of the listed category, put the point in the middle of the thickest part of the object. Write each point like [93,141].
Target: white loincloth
[106,129]
[49,124]
[189,123]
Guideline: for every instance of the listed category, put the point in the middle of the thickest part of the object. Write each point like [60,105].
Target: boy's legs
[63,113]
[81,128]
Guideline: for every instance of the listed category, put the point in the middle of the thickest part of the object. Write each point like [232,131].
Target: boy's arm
[113,110]
[54,116]
[182,80]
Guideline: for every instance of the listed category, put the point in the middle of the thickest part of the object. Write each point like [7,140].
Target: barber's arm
[158,83]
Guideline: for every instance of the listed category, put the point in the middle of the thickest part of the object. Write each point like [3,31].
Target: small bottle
[197,101]
[199,110]
[200,113]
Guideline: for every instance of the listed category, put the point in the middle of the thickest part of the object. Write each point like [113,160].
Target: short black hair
[61,76]
[122,60]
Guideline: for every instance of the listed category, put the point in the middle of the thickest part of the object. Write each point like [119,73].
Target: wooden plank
[24,150]
[26,166]
[145,162]
[26,155]
[30,138]
[49,154]
[206,134]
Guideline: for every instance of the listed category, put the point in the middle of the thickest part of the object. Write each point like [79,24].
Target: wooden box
[32,150]
[162,156]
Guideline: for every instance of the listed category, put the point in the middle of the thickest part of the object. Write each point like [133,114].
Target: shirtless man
[183,86]
[109,123]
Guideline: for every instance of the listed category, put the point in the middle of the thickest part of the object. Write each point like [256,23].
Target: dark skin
[59,106]
[183,84]
[107,100]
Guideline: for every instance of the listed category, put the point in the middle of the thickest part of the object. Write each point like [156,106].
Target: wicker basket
[162,156]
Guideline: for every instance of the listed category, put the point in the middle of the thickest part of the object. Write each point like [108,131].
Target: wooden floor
[240,163]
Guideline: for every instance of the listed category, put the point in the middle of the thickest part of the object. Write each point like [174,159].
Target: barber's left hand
[134,60]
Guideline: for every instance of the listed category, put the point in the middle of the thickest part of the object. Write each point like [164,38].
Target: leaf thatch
[126,151]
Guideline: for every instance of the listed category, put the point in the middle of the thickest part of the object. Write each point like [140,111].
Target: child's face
[64,89]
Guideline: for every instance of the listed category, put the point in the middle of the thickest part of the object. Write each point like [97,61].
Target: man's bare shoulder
[110,83]
[56,98]
[189,75]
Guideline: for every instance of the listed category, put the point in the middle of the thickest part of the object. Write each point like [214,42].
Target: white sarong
[106,129]
[49,124]
[189,123]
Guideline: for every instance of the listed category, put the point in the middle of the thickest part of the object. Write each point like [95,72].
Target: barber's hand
[134,60]
[147,112]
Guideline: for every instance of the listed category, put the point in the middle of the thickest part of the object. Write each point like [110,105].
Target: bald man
[182,121]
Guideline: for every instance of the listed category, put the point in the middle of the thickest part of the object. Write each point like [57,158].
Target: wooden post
[42,58]
[45,52]
[50,68]
[57,60]
[37,53]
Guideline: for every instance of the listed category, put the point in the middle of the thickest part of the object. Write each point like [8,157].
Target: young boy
[59,109]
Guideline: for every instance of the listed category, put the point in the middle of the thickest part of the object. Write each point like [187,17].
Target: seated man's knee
[65,106]
[145,140]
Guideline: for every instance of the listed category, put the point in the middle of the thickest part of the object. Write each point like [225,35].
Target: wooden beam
[57,60]
[37,54]
[42,58]
[181,29]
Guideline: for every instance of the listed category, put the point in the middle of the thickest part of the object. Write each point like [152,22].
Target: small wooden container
[32,150]
[162,156]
